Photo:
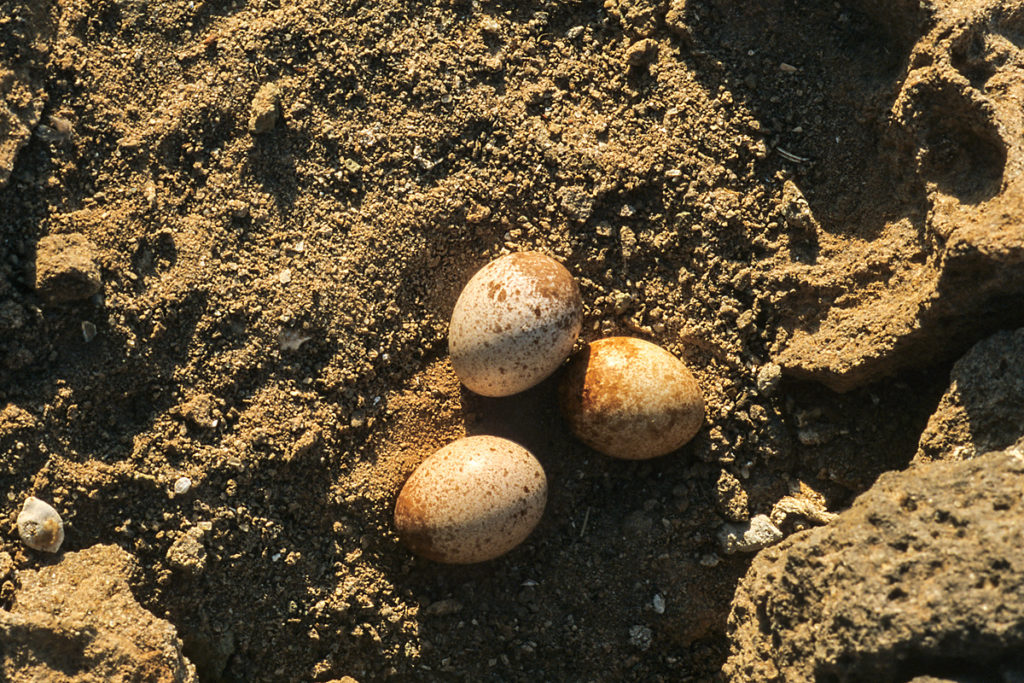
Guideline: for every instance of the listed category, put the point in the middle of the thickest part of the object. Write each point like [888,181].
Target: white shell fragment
[471,501]
[514,323]
[39,526]
[182,485]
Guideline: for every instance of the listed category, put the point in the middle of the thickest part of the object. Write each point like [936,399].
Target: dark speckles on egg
[630,399]
[499,350]
[471,501]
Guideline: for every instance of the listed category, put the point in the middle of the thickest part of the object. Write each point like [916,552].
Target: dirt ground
[285,199]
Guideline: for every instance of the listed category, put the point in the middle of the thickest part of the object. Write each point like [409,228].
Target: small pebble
[39,526]
[709,560]
[658,603]
[749,537]
[768,378]
[265,109]
[66,268]
[642,52]
[640,636]
[182,486]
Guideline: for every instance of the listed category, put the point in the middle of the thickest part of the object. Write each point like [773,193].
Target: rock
[983,409]
[21,104]
[639,18]
[576,202]
[866,311]
[642,52]
[66,268]
[201,412]
[768,378]
[731,498]
[40,526]
[922,571]
[675,18]
[802,507]
[443,608]
[749,537]
[77,622]
[188,552]
[265,109]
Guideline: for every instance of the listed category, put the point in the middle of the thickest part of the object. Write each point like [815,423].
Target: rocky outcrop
[983,409]
[954,139]
[922,575]
[77,621]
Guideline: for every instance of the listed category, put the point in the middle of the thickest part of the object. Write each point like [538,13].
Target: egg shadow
[614,534]
[530,418]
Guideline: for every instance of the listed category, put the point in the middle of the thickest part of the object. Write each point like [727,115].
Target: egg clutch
[514,324]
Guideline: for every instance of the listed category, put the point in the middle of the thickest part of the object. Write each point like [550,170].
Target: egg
[471,501]
[514,323]
[631,399]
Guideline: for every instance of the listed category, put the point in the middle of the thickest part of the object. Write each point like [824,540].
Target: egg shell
[39,526]
[514,323]
[631,399]
[471,501]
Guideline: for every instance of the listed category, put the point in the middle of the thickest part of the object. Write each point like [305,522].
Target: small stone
[640,636]
[658,603]
[66,269]
[768,378]
[187,552]
[642,52]
[749,537]
[576,202]
[443,608]
[265,106]
[238,209]
[710,560]
[88,331]
[39,526]
[732,499]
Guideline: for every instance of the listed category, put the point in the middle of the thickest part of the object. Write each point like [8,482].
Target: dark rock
[983,409]
[77,621]
[922,574]
[66,268]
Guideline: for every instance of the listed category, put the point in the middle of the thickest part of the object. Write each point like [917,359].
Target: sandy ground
[284,200]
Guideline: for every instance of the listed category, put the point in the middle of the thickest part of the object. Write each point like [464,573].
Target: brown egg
[471,501]
[514,323]
[630,399]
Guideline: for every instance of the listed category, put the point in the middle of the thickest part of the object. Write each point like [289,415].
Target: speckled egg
[471,501]
[630,399]
[514,323]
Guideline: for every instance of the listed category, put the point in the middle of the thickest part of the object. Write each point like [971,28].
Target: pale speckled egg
[630,399]
[471,501]
[514,323]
